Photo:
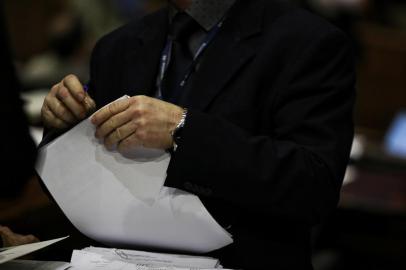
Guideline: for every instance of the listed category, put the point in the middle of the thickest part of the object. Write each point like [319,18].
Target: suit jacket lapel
[143,56]
[234,46]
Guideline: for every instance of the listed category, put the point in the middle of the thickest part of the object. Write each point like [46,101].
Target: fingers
[76,107]
[77,99]
[30,239]
[119,134]
[78,93]
[50,120]
[5,230]
[14,239]
[110,110]
[75,88]
[89,103]
[127,144]
[137,121]
[66,104]
[58,109]
[113,123]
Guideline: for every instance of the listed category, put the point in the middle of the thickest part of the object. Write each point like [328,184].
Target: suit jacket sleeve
[295,170]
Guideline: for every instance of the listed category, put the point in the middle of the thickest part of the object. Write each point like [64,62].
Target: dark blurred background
[52,38]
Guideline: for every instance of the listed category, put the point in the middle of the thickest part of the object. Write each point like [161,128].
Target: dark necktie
[180,31]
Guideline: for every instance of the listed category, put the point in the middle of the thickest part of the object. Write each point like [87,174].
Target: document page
[34,265]
[84,260]
[19,251]
[121,201]
[154,259]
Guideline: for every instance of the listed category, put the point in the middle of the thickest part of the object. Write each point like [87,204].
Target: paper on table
[18,251]
[111,198]
[34,265]
[84,260]
[154,259]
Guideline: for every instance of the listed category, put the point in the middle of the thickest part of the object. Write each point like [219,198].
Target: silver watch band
[179,126]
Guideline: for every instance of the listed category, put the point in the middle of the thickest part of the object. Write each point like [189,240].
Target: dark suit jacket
[269,128]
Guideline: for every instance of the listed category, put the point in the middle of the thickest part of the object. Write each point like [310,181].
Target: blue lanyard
[167,54]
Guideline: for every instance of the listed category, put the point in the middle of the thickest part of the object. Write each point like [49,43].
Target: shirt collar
[207,13]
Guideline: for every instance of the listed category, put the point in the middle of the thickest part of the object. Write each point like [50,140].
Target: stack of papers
[94,258]
[120,259]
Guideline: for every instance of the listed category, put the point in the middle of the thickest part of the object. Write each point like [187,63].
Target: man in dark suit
[259,127]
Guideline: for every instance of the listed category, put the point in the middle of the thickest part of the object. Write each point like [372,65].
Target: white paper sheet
[122,201]
[154,259]
[78,154]
[18,251]
[84,260]
[34,265]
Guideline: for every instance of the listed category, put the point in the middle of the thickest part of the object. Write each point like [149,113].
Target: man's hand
[11,239]
[66,104]
[137,121]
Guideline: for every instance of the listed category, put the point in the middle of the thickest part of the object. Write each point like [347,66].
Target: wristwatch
[177,132]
